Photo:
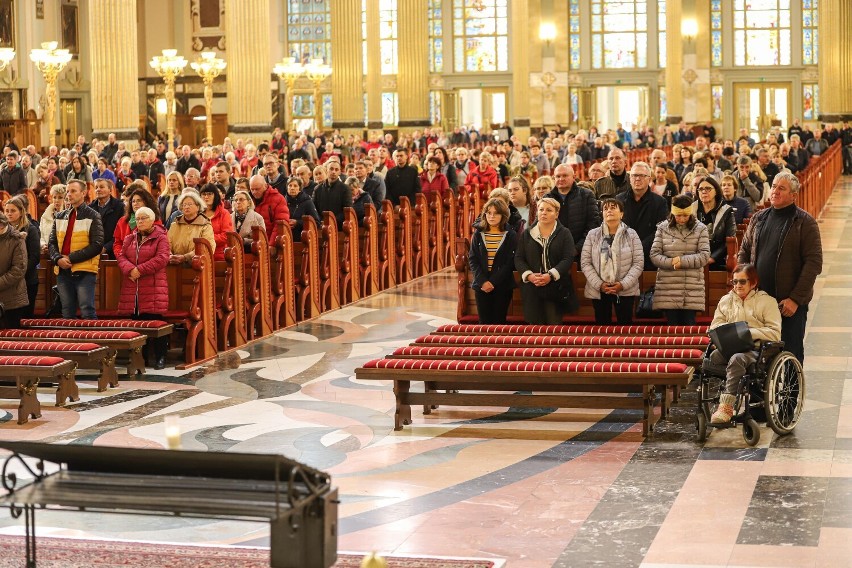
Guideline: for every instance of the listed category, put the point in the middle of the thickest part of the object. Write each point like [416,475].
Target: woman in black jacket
[719,218]
[544,257]
[300,205]
[492,262]
[360,198]
[16,211]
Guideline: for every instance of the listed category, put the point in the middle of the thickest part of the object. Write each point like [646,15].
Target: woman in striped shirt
[492,254]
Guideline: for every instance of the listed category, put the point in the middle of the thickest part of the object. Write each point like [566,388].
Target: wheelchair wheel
[784,393]
[701,420]
[751,432]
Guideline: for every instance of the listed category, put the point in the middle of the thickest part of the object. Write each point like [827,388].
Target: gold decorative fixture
[288,70]
[7,54]
[208,67]
[50,61]
[168,66]
[317,71]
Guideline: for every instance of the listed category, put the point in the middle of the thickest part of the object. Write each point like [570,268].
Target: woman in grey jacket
[680,251]
[612,261]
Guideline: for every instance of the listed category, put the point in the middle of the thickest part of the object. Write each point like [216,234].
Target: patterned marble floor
[535,487]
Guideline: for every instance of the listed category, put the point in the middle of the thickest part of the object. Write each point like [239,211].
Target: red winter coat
[482,177]
[273,208]
[438,184]
[151,257]
[122,229]
[222,223]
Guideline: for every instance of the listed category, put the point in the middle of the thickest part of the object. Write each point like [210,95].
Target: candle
[172,431]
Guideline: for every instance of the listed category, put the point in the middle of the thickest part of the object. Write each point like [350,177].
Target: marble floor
[535,487]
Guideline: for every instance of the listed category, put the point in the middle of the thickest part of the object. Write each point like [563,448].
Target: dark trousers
[847,159]
[493,306]
[793,333]
[29,310]
[680,317]
[538,311]
[623,306]
[161,344]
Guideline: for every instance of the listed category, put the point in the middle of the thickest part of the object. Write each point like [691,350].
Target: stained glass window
[574,105]
[574,33]
[388,36]
[435,106]
[309,29]
[664,105]
[390,108]
[436,36]
[716,101]
[661,33]
[810,38]
[481,35]
[810,101]
[716,33]
[619,34]
[762,32]
[327,114]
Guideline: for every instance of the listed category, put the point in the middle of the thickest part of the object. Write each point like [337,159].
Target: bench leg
[29,407]
[108,377]
[427,388]
[402,416]
[30,537]
[649,396]
[136,363]
[66,389]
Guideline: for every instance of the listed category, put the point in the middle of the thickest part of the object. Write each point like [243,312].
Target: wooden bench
[129,341]
[298,502]
[20,376]
[148,328]
[528,329]
[329,268]
[350,258]
[85,355]
[691,357]
[283,278]
[609,341]
[387,246]
[370,258]
[231,295]
[259,299]
[574,380]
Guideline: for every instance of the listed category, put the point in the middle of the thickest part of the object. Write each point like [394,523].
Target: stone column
[835,60]
[520,70]
[374,67]
[249,71]
[114,64]
[413,78]
[347,79]
[674,62]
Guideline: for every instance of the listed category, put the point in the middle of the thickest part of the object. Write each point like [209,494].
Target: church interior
[477,484]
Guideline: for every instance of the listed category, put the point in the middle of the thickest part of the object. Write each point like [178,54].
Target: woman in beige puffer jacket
[680,251]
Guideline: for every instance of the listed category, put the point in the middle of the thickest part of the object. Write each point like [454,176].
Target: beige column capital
[520,115]
[249,71]
[114,63]
[347,80]
[413,77]
[835,60]
[674,61]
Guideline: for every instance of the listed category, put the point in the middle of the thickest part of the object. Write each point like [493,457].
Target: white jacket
[759,310]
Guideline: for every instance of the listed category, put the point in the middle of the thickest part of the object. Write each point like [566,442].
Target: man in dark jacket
[187,160]
[578,211]
[110,149]
[783,242]
[75,247]
[616,180]
[643,209]
[110,208]
[155,169]
[13,179]
[402,179]
[332,194]
[373,186]
[273,176]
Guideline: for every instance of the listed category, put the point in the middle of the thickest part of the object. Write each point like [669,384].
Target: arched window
[481,35]
[762,32]
[619,34]
[436,36]
[810,39]
[574,33]
[309,29]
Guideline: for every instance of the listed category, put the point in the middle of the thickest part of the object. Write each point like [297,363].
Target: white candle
[172,426]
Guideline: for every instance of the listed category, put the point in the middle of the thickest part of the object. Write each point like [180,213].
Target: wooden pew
[84,355]
[420,249]
[350,259]
[437,245]
[387,247]
[259,298]
[404,241]
[450,227]
[231,295]
[370,257]
[306,267]
[283,278]
[329,270]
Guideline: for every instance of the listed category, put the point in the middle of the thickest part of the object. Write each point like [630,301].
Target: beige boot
[725,410]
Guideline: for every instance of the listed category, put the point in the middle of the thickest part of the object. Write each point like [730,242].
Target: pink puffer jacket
[151,257]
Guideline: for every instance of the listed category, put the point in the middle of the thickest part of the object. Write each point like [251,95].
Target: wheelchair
[772,391]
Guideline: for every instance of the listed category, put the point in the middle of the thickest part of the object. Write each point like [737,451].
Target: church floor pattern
[536,487]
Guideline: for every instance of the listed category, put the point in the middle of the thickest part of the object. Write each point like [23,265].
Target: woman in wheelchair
[755,307]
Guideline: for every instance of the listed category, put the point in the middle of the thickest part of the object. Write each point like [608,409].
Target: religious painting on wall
[7,23]
[69,28]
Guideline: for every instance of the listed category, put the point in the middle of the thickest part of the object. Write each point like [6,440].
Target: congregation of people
[539,218]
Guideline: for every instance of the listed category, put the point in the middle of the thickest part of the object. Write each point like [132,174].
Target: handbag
[561,292]
[645,305]
[732,338]
[55,307]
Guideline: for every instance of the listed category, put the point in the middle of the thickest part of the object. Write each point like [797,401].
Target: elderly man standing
[269,204]
[643,209]
[783,242]
[616,181]
[332,194]
[578,211]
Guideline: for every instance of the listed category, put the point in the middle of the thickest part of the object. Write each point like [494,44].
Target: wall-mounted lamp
[547,32]
[689,28]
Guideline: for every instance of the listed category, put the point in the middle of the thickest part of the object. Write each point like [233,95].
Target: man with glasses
[783,242]
[274,177]
[616,181]
[643,209]
[578,211]
[332,194]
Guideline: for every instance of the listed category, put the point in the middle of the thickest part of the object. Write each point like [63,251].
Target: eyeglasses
[740,281]
[639,176]
[705,189]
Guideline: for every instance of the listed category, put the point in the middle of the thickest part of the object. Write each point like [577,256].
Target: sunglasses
[740,281]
